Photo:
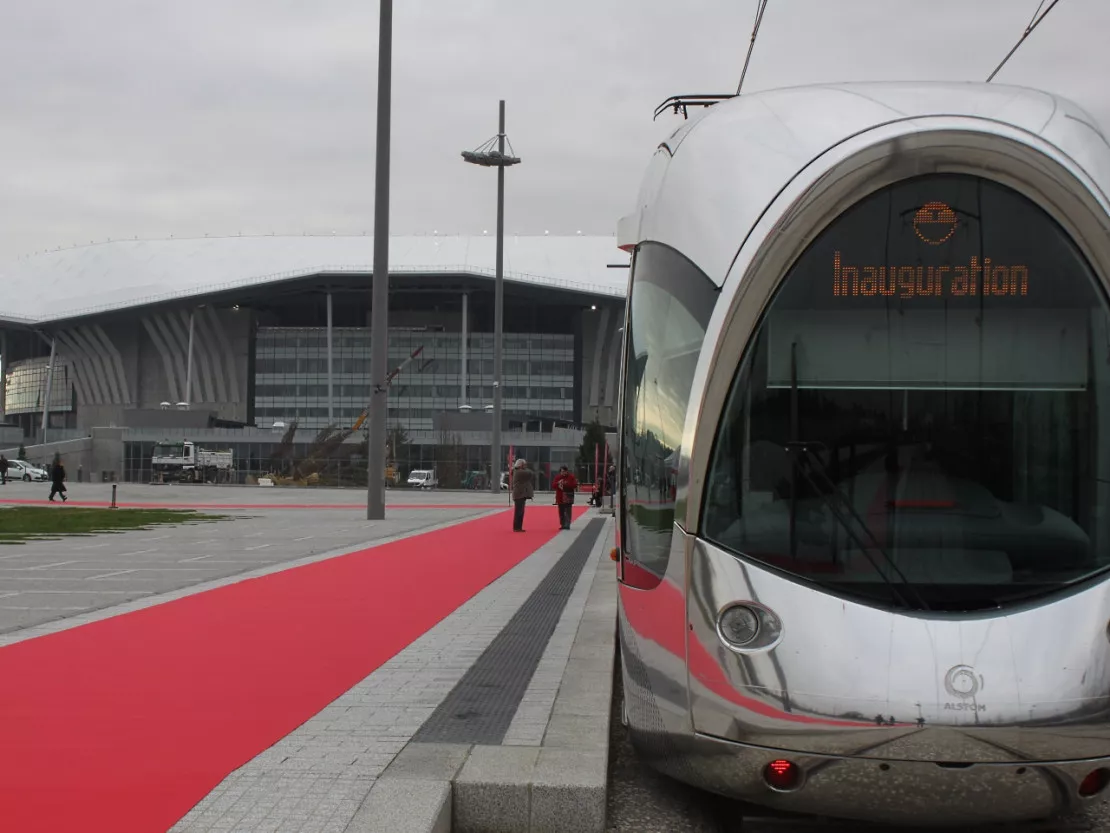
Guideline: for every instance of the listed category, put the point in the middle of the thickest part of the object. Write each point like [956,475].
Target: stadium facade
[228,341]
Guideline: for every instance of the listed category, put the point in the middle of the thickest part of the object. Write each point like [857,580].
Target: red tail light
[1094,783]
[782,775]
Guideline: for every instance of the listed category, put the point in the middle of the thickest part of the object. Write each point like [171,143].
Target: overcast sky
[147,118]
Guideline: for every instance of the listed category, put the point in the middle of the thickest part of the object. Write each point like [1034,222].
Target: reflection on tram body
[865,455]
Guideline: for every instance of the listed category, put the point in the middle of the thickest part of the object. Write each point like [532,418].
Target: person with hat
[565,484]
[523,491]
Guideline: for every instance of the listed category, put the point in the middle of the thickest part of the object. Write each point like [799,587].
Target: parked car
[422,479]
[22,470]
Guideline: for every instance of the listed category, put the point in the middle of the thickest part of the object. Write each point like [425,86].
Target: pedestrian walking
[58,479]
[523,491]
[3,470]
[565,485]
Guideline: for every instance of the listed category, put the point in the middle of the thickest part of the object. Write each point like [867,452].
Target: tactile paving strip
[481,706]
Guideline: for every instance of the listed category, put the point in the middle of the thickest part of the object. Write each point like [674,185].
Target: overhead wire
[760,9]
[1033,24]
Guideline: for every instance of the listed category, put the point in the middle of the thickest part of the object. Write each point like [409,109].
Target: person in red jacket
[565,484]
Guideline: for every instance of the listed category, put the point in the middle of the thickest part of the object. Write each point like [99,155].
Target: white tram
[868,324]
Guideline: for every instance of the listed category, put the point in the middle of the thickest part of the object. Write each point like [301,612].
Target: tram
[868,323]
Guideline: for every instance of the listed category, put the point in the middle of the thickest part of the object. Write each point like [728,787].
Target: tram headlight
[738,625]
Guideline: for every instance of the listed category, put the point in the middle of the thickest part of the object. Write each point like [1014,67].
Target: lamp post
[379,310]
[487,157]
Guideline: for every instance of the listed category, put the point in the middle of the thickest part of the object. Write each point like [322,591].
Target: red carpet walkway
[122,725]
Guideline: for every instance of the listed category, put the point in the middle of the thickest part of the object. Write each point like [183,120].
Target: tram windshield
[922,417]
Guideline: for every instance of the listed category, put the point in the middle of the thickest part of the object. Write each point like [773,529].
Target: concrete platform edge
[560,786]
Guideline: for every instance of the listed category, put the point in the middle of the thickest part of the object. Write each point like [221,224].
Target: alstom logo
[963,683]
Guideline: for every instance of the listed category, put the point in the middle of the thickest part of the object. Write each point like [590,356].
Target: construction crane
[329,440]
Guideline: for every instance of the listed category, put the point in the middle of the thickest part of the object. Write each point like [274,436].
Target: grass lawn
[30,523]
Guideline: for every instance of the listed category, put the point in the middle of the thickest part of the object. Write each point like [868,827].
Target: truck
[186,462]
[422,479]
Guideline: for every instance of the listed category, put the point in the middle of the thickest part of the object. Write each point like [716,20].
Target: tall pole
[379,317]
[49,385]
[331,386]
[498,311]
[462,376]
[189,362]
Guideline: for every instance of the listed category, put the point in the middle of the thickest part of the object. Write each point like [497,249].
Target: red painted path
[123,725]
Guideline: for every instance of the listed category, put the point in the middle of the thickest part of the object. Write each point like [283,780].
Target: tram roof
[118,275]
[709,183]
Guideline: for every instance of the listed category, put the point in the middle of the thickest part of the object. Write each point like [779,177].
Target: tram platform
[522,742]
[446,674]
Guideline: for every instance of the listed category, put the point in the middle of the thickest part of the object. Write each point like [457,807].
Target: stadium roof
[119,275]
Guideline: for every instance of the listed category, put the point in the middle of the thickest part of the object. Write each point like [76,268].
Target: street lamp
[489,157]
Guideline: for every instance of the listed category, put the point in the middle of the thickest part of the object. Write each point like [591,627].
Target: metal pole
[189,362]
[462,376]
[331,400]
[379,317]
[49,385]
[498,310]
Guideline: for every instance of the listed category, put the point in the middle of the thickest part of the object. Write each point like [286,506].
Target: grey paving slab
[492,792]
[405,806]
[482,707]
[562,785]
[569,790]
[429,761]
[532,717]
[47,586]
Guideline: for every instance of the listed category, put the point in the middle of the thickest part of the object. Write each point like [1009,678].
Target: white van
[422,479]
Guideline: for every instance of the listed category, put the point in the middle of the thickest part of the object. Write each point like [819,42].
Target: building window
[291,374]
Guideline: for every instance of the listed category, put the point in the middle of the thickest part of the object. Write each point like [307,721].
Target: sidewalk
[52,585]
[495,719]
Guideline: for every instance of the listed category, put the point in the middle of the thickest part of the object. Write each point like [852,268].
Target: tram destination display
[938,282]
[976,277]
[934,224]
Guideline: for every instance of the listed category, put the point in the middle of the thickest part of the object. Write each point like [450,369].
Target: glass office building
[291,375]
[25,386]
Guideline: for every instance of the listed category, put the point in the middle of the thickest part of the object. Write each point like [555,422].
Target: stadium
[261,346]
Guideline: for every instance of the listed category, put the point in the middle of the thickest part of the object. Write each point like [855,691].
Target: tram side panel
[670,302]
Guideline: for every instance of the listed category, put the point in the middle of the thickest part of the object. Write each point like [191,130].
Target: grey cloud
[127,118]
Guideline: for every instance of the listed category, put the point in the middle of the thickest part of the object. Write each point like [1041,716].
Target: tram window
[925,404]
[670,305]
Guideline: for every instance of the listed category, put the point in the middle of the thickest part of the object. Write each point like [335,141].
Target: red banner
[605,472]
